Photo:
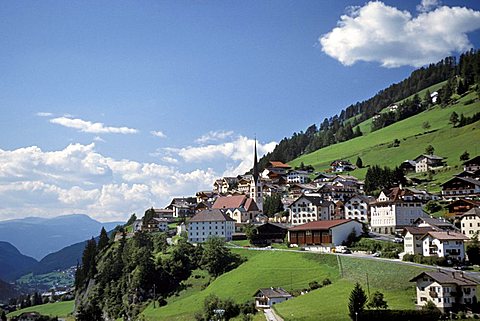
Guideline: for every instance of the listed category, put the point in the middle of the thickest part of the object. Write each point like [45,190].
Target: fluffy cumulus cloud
[380,33]
[78,179]
[238,153]
[91,127]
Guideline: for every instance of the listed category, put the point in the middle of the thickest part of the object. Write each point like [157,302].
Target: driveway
[270,315]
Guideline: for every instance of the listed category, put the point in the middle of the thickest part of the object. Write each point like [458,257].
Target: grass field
[60,309]
[375,148]
[295,270]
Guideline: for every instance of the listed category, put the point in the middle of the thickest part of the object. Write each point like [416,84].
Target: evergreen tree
[454,119]
[359,162]
[149,214]
[429,150]
[132,219]
[3,316]
[103,240]
[217,258]
[473,250]
[465,156]
[377,301]
[357,300]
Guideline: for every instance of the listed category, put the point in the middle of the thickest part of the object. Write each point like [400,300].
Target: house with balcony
[156,224]
[412,239]
[460,206]
[266,298]
[461,187]
[444,244]
[447,290]
[298,176]
[472,165]
[308,208]
[424,163]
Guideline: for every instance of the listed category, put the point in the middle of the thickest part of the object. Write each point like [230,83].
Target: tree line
[460,77]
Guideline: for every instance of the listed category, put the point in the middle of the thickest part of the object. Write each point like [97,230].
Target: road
[270,315]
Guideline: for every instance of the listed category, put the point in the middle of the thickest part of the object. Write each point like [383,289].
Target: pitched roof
[444,277]
[446,236]
[432,157]
[211,215]
[274,293]
[234,201]
[475,160]
[278,164]
[414,230]
[472,211]
[315,200]
[250,205]
[434,221]
[465,179]
[321,225]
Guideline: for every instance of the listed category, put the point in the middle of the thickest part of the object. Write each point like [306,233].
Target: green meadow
[59,309]
[294,271]
[376,148]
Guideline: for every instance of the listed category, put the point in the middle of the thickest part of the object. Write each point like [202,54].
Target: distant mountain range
[14,264]
[38,237]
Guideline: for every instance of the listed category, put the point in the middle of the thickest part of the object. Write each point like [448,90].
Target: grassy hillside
[375,148]
[60,309]
[294,270]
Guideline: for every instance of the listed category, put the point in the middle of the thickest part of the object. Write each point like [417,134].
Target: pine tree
[103,240]
[357,300]
[359,162]
[3,316]
[430,150]
[454,119]
[465,156]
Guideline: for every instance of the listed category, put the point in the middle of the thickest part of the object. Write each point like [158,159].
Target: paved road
[270,315]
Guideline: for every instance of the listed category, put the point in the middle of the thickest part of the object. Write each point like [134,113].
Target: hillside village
[324,211]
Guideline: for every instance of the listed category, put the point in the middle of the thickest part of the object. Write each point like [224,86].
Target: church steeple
[255,163]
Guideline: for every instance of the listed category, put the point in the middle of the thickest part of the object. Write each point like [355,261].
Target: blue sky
[112,107]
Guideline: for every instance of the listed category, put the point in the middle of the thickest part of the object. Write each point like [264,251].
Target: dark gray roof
[473,211]
[434,222]
[442,277]
[211,215]
[273,293]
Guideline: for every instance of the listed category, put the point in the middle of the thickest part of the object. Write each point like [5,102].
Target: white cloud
[158,133]
[90,127]
[99,139]
[428,5]
[239,153]
[214,136]
[44,114]
[380,33]
[170,160]
[77,179]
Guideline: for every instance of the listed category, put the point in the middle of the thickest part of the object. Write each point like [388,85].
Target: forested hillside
[459,77]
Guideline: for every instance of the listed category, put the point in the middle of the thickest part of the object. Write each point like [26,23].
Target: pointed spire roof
[255,163]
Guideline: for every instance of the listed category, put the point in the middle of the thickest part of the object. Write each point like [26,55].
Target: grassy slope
[295,270]
[373,148]
[60,309]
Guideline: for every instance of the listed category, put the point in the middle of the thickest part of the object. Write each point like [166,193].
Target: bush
[430,260]
[326,282]
[314,285]
[399,315]
[389,255]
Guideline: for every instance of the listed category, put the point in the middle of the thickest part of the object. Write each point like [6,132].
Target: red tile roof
[279,164]
[229,201]
[320,225]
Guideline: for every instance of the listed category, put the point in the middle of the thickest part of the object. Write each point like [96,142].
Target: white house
[444,244]
[358,208]
[445,289]
[297,176]
[394,210]
[412,239]
[423,163]
[470,222]
[208,223]
[308,208]
[324,233]
[266,298]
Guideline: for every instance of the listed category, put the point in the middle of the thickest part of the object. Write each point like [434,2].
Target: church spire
[255,163]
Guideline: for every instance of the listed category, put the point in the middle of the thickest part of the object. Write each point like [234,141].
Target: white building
[266,298]
[358,208]
[444,244]
[308,208]
[395,210]
[210,223]
[445,289]
[412,239]
[423,163]
[297,176]
[470,222]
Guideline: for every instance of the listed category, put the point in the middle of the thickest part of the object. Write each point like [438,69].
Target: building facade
[210,223]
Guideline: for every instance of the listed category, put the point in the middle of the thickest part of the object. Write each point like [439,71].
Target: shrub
[326,282]
[399,315]
[314,285]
